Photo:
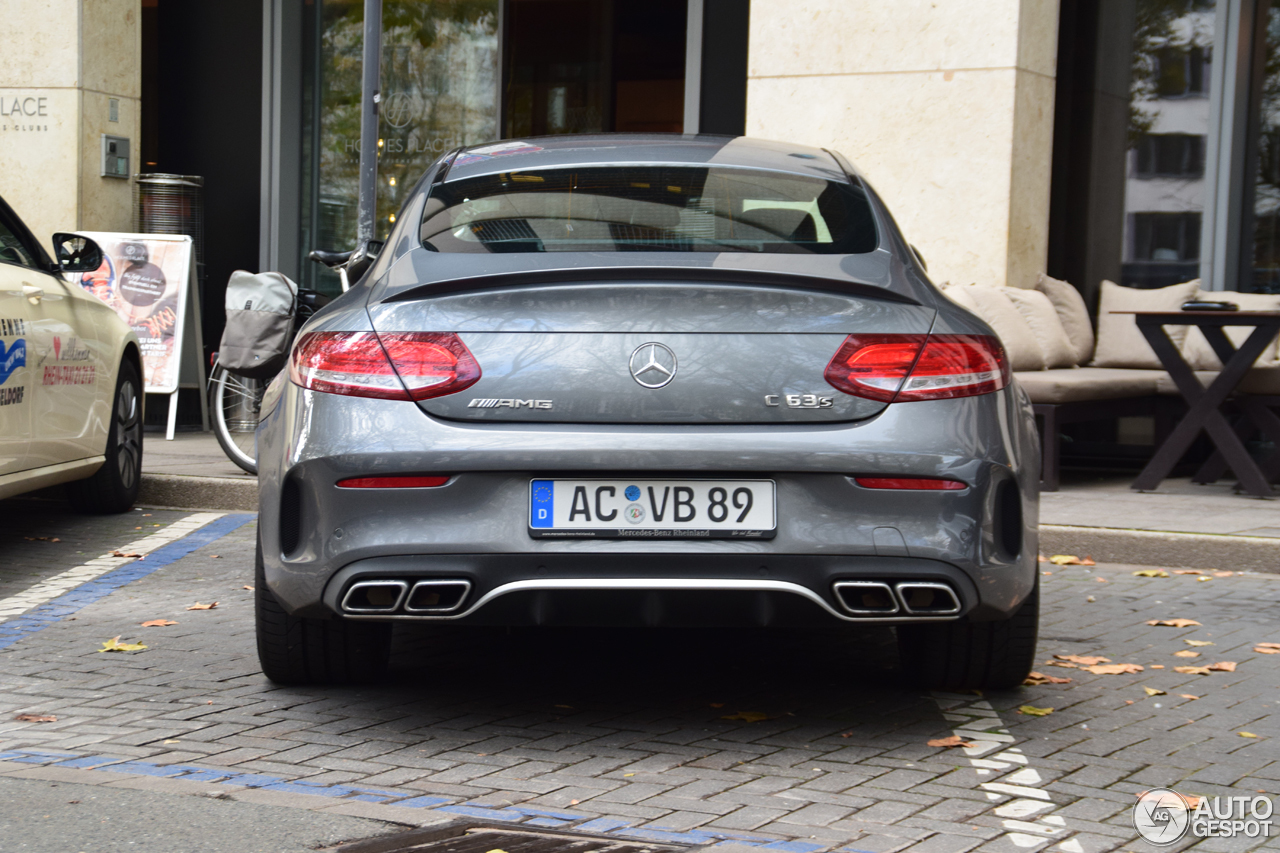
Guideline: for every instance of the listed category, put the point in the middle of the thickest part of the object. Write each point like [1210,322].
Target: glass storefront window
[1261,226]
[439,91]
[1169,121]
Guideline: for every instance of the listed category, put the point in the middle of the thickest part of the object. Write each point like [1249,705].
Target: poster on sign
[146,278]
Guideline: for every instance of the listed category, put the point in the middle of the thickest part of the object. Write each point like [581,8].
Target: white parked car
[70,377]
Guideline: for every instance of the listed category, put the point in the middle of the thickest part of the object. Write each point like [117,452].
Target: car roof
[599,149]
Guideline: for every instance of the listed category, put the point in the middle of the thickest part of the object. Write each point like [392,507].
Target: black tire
[298,650]
[114,486]
[963,655]
[228,392]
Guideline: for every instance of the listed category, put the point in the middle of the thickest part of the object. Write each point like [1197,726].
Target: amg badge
[509,404]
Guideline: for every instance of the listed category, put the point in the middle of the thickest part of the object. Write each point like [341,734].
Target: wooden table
[1205,404]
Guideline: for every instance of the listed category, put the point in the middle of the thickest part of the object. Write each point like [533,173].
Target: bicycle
[235,402]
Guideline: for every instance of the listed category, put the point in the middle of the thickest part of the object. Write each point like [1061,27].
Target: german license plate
[652,509]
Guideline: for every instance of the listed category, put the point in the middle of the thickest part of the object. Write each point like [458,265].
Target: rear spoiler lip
[638,274]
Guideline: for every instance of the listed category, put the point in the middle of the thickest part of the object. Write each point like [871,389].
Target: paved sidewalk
[793,741]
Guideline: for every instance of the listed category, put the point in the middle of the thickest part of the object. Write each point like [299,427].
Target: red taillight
[902,368]
[911,483]
[392,482]
[395,366]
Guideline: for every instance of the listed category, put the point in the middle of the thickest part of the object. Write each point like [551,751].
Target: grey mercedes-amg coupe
[647,380]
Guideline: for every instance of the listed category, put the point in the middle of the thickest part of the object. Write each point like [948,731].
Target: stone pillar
[65,61]
[946,106]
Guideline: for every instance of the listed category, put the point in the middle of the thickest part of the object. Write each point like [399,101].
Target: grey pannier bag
[260,311]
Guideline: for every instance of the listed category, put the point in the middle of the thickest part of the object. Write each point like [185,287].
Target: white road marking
[51,588]
[1028,820]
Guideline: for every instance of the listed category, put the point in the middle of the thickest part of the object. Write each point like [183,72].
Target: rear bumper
[636,589]
[316,538]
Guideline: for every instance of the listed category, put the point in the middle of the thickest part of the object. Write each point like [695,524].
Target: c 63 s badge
[799,401]
[479,403]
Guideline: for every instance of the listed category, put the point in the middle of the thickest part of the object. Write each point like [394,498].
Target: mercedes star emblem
[653,365]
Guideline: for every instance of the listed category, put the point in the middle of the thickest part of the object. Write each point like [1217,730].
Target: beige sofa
[1072,374]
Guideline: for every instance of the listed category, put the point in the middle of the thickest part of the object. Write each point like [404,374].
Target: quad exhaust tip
[906,598]
[385,597]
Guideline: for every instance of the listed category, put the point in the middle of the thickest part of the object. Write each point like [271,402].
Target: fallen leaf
[1269,646]
[1046,573]
[1173,623]
[1042,559]
[36,718]
[1113,669]
[574,802]
[749,716]
[1128,701]
[1066,560]
[1062,663]
[1151,573]
[1203,579]
[1091,599]
[950,742]
[42,538]
[114,645]
[199,606]
[627,775]
[158,623]
[1084,660]
[1033,711]
[1102,580]
[1037,678]
[123,554]
[1218,574]
[1188,696]
[246,586]
[1223,666]
[1188,571]
[1186,653]
[1088,561]
[1192,670]
[1151,691]
[1265,651]
[1157,666]
[171,740]
[215,557]
[1193,802]
[1197,642]
[847,734]
[1246,734]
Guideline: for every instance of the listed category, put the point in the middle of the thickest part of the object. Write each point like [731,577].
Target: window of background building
[1261,224]
[1169,155]
[439,91]
[586,66]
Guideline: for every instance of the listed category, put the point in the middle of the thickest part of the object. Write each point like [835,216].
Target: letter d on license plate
[652,509]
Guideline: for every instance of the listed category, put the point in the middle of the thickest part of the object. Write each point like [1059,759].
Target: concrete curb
[1104,544]
[179,491]
[1160,548]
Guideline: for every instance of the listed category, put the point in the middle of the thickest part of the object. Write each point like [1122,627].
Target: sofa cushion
[1200,355]
[1038,311]
[1120,343]
[1164,382]
[1261,380]
[1070,385]
[999,312]
[1072,313]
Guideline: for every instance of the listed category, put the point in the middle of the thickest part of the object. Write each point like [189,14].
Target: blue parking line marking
[524,815]
[41,617]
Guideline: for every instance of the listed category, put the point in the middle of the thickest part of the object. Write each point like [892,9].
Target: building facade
[1131,140]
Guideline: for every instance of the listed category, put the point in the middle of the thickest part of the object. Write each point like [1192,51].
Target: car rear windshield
[648,209]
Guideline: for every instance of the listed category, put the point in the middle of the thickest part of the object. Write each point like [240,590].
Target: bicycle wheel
[235,404]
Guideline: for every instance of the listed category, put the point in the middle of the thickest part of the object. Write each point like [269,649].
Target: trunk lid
[653,352]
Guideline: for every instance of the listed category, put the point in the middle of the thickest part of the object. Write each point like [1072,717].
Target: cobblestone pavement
[797,741]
